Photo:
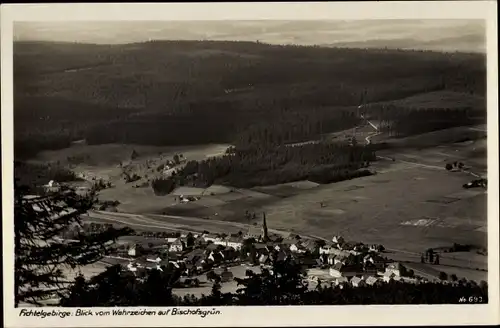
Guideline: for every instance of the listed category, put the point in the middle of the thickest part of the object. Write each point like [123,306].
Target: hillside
[188,92]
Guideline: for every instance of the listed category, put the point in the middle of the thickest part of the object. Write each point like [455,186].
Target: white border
[263,316]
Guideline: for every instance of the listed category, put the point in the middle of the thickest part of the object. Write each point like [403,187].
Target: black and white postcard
[250,164]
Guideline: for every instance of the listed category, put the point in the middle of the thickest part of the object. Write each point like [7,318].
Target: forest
[193,92]
[271,164]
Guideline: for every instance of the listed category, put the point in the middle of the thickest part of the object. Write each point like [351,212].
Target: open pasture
[287,189]
[103,161]
[377,209]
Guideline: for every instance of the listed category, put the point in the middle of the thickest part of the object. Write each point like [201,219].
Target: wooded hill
[190,92]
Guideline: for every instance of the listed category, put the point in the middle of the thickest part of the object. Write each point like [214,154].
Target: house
[388,276]
[135,250]
[395,268]
[215,257]
[212,247]
[331,259]
[324,258]
[375,248]
[261,248]
[229,253]
[154,260]
[342,270]
[340,281]
[309,245]
[371,280]
[377,260]
[234,242]
[346,246]
[194,256]
[358,249]
[199,240]
[200,265]
[298,246]
[226,276]
[326,249]
[338,240]
[190,269]
[176,246]
[253,232]
[344,258]
[132,266]
[410,280]
[357,282]
[279,256]
[263,259]
[307,261]
[220,241]
[370,268]
[336,251]
[210,238]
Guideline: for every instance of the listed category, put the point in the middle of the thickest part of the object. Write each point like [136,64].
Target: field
[102,161]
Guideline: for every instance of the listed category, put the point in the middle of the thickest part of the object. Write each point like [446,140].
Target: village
[213,256]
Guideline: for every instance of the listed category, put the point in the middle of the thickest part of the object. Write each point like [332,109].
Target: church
[259,234]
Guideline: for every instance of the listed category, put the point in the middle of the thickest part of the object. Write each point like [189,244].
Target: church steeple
[265,237]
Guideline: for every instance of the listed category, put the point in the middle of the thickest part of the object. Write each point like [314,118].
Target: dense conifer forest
[193,92]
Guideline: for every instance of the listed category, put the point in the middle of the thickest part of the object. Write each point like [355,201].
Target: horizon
[431,35]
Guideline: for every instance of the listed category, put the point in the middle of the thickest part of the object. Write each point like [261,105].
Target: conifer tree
[41,255]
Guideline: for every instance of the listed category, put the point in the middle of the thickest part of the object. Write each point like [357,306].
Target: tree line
[401,121]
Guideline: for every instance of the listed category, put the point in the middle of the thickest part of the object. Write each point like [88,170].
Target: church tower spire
[265,237]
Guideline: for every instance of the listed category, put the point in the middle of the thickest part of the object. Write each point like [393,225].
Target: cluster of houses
[193,254]
[190,253]
[359,264]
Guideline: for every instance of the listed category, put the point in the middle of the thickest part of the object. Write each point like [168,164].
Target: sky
[438,35]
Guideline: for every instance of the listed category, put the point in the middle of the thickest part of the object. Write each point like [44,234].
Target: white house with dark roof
[339,281]
[297,248]
[357,282]
[396,268]
[375,259]
[210,238]
[371,280]
[176,246]
[327,249]
[338,240]
[134,250]
[388,276]
[234,242]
